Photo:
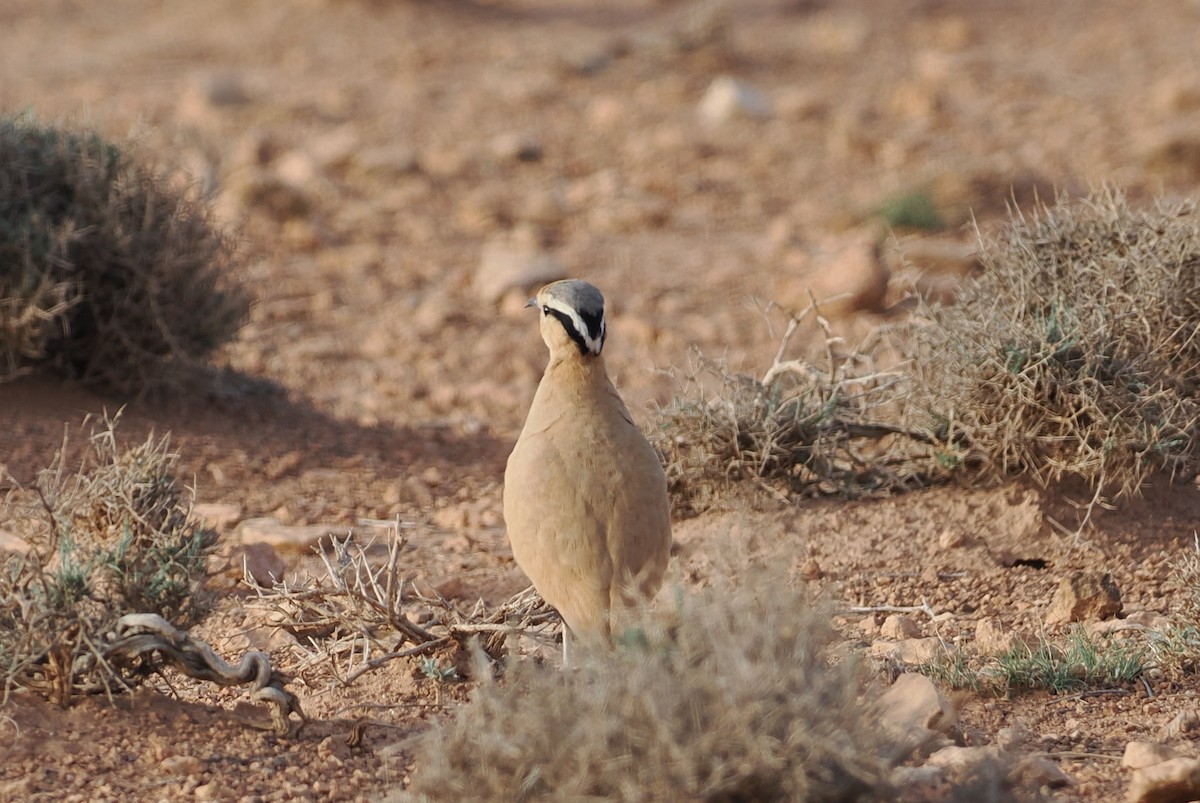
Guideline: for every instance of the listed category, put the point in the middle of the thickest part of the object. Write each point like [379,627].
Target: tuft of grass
[108,274]
[113,538]
[911,210]
[1082,662]
[1075,354]
[801,429]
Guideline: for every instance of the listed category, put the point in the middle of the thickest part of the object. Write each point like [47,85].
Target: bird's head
[572,317]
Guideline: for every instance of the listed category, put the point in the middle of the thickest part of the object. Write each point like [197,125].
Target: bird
[585,495]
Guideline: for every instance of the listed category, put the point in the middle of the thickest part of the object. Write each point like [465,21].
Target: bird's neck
[575,369]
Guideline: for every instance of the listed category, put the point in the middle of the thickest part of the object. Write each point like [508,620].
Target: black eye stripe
[569,326]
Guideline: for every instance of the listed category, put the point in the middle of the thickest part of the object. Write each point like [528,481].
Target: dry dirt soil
[371,151]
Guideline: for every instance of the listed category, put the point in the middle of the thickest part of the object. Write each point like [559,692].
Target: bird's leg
[566,635]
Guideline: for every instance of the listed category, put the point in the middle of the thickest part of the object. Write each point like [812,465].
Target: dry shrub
[114,538]
[733,695]
[803,428]
[1076,353]
[107,273]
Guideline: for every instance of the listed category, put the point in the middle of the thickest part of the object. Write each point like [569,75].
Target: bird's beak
[531,302]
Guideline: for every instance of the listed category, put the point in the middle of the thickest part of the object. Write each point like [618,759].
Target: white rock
[1139,755]
[503,267]
[262,563]
[286,537]
[1039,771]
[1167,782]
[728,98]
[962,759]
[898,626]
[913,705]
[217,515]
[909,652]
[12,543]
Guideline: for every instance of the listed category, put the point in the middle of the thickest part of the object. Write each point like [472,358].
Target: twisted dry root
[139,635]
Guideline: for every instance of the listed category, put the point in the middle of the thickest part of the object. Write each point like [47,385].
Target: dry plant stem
[140,637]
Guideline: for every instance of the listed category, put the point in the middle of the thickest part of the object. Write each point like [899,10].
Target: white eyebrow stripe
[593,344]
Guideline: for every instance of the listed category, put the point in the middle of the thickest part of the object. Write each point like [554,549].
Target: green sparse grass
[911,210]
[115,537]
[1080,662]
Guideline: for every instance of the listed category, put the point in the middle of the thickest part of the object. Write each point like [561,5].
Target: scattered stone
[728,98]
[1013,738]
[1174,153]
[388,160]
[961,760]
[503,267]
[992,638]
[516,147]
[1084,597]
[898,626]
[13,543]
[951,538]
[286,537]
[869,626]
[1038,771]
[811,570]
[1173,781]
[1183,723]
[217,516]
[211,93]
[1139,755]
[910,652]
[1151,620]
[844,273]
[263,564]
[913,705]
[181,765]
[211,791]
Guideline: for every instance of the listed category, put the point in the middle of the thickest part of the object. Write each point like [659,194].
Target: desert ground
[401,173]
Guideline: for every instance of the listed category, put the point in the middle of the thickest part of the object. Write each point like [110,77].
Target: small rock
[516,147]
[961,760]
[13,543]
[844,274]
[263,564]
[913,704]
[1183,723]
[181,765]
[211,791]
[869,626]
[811,570]
[1084,597]
[727,98]
[218,516]
[1151,620]
[992,638]
[1139,755]
[897,626]
[388,160]
[910,652]
[1013,738]
[333,750]
[286,537]
[1173,781]
[1039,771]
[503,267]
[951,538]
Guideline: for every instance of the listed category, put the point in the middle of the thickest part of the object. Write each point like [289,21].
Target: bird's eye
[545,310]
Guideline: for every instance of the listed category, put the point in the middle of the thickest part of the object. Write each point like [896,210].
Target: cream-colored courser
[585,497]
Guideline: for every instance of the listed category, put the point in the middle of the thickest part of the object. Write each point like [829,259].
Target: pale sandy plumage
[585,497]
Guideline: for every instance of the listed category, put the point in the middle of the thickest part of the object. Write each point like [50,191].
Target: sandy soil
[371,149]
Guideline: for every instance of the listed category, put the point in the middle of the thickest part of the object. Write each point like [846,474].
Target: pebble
[728,98]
